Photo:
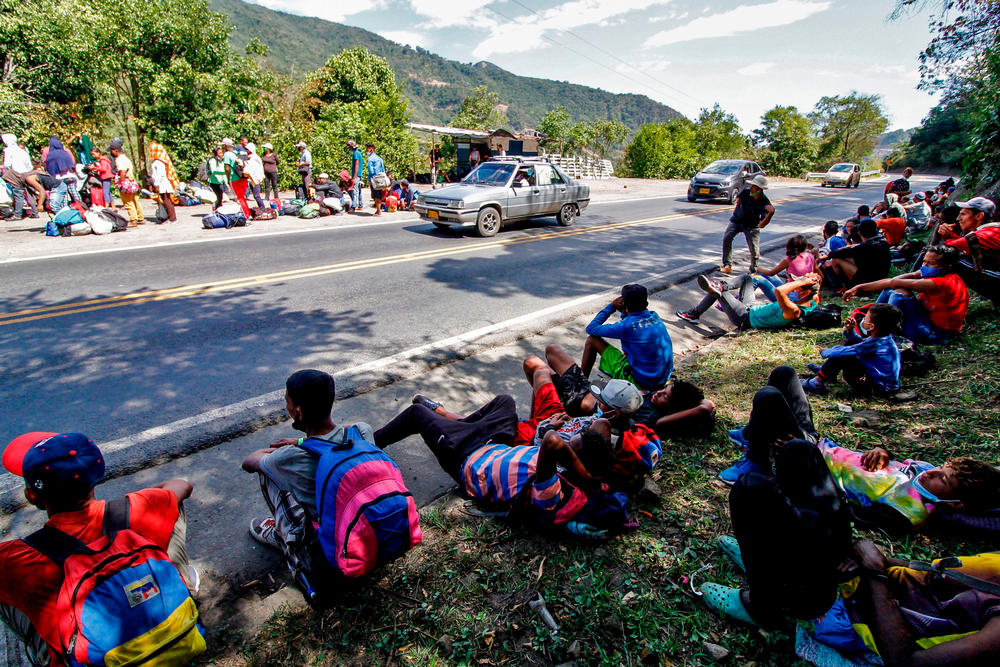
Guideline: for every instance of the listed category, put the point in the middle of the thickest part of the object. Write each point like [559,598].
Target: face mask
[929,271]
[867,326]
[927,495]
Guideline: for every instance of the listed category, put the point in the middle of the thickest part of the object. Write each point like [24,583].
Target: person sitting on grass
[862,262]
[936,314]
[798,261]
[647,356]
[870,365]
[60,472]
[792,300]
[979,241]
[287,472]
[903,495]
[832,240]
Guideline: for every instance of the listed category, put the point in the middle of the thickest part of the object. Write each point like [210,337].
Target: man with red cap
[60,471]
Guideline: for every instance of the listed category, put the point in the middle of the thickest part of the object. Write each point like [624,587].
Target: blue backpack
[213,221]
[67,216]
[367,517]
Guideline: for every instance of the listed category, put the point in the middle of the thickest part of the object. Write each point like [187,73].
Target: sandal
[731,548]
[726,601]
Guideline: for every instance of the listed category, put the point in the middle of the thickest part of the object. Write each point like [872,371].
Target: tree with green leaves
[785,142]
[555,125]
[718,135]
[848,126]
[663,150]
[480,110]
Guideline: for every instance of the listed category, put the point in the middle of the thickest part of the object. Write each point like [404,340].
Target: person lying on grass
[933,300]
[870,365]
[792,300]
[679,410]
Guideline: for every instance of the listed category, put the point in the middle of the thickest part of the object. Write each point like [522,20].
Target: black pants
[452,441]
[270,185]
[780,411]
[793,531]
[855,373]
[217,189]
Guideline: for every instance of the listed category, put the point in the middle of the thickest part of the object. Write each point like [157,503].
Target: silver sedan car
[503,189]
[847,174]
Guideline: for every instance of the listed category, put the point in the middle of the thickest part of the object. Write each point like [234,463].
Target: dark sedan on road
[722,179]
[504,189]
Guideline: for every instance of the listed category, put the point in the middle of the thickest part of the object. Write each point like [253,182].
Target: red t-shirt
[946,308]
[893,228]
[30,582]
[989,240]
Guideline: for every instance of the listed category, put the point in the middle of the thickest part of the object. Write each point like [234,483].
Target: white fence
[864,174]
[583,167]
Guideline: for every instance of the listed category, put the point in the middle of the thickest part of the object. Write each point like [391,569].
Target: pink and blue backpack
[367,516]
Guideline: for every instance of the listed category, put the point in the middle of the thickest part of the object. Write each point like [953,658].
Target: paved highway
[113,343]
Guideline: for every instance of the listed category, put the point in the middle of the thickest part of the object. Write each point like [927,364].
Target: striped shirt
[497,473]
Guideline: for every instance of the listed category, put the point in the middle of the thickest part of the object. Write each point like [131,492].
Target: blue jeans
[917,325]
[766,285]
[72,188]
[59,197]
[356,200]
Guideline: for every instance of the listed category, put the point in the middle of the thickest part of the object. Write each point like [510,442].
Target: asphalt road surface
[113,343]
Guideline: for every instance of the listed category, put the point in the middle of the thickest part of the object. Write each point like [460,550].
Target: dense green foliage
[433,86]
[848,127]
[785,141]
[663,150]
[963,61]
[596,137]
[480,110]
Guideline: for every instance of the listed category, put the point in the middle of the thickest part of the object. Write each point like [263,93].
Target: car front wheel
[691,197]
[566,214]
[733,195]
[488,222]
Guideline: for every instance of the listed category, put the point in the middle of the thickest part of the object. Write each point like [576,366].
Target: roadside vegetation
[463,596]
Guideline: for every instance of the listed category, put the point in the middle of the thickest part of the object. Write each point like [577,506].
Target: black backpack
[823,316]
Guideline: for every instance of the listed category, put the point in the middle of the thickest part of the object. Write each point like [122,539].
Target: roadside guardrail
[820,174]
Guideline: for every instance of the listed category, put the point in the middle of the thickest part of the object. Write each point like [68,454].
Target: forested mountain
[434,85]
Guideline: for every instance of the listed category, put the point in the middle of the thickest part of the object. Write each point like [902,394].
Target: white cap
[227,142]
[252,147]
[268,147]
[760,181]
[301,144]
[619,394]
[981,204]
[324,175]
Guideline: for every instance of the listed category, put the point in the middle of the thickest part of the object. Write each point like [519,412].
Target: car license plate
[703,191]
[432,214]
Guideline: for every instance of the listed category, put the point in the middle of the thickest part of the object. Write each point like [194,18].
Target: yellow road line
[135,298]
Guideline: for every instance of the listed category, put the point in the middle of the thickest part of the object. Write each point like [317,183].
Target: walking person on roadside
[125,181]
[237,178]
[377,178]
[357,160]
[100,168]
[60,164]
[217,174]
[270,161]
[305,168]
[752,213]
[254,172]
[164,177]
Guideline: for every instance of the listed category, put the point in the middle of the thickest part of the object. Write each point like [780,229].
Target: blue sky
[747,56]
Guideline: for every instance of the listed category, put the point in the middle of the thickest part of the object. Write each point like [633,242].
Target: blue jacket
[880,356]
[375,165]
[645,342]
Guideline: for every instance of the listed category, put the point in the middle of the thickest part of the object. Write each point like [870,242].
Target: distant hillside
[894,138]
[434,85]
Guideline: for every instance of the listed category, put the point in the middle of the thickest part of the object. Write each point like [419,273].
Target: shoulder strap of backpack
[116,515]
[975,250]
[945,568]
[55,544]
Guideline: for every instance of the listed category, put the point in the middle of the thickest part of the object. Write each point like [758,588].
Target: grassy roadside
[462,597]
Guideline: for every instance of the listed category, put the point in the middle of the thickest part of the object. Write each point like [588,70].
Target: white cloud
[323,10]
[528,31]
[739,20]
[411,37]
[756,69]
[449,13]
[648,65]
[885,69]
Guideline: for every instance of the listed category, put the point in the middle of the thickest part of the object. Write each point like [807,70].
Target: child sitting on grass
[870,365]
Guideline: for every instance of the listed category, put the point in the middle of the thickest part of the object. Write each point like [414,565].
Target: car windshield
[724,168]
[490,173]
[842,167]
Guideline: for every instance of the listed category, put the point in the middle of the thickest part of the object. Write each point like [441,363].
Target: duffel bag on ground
[98,224]
[290,209]
[213,221]
[334,204]
[233,219]
[67,216]
[229,209]
[77,229]
[264,214]
[119,222]
[309,211]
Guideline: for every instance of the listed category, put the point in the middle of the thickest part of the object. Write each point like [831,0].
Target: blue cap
[45,460]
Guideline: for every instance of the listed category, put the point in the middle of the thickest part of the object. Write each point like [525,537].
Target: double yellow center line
[135,298]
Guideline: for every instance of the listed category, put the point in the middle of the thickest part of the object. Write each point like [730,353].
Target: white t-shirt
[158,172]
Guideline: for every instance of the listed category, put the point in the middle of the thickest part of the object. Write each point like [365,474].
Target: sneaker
[738,469]
[194,579]
[420,399]
[710,286]
[814,386]
[736,437]
[726,269]
[815,368]
[688,317]
[265,531]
